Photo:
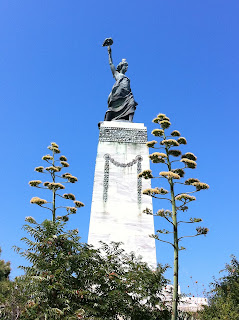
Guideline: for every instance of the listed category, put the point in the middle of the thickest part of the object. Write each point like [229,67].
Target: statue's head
[122,66]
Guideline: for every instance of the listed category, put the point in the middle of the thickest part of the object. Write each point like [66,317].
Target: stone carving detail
[109,159]
[106,178]
[139,181]
[129,135]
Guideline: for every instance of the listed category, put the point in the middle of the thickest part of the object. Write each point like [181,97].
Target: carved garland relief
[108,159]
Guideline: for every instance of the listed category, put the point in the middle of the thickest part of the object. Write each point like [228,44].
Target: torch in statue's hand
[108,42]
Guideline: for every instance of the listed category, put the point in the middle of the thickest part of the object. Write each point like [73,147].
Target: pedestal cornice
[126,132]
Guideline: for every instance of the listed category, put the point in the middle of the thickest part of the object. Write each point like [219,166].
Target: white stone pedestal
[118,203]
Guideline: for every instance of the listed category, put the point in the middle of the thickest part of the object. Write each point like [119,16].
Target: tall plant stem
[175,262]
[175,242]
[54,192]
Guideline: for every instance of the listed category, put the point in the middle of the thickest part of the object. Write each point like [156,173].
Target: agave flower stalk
[175,237]
[53,190]
[173,177]
[55,166]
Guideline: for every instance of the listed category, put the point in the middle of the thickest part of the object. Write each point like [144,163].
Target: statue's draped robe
[121,101]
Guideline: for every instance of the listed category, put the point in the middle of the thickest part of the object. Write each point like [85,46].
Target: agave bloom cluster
[170,142]
[164,213]
[55,165]
[71,210]
[151,144]
[55,185]
[151,191]
[146,174]
[35,183]
[47,157]
[30,219]
[78,204]
[63,158]
[69,177]
[64,164]
[188,159]
[169,174]
[185,196]
[38,201]
[158,157]
[189,163]
[157,133]
[69,196]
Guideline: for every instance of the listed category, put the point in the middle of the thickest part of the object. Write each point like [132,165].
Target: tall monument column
[118,203]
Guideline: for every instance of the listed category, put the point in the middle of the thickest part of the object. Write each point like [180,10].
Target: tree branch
[186,222]
[157,147]
[167,220]
[60,196]
[186,192]
[192,191]
[157,177]
[179,239]
[180,183]
[40,187]
[161,198]
[45,207]
[156,215]
[165,241]
[48,161]
[182,205]
[59,176]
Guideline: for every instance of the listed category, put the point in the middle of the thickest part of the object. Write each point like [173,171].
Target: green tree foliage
[10,295]
[5,270]
[67,279]
[224,296]
[175,162]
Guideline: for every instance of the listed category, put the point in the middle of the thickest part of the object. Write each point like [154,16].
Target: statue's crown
[124,61]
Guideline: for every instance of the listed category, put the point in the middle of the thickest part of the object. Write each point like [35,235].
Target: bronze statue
[121,103]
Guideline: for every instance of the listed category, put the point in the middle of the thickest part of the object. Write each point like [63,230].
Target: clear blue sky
[55,80]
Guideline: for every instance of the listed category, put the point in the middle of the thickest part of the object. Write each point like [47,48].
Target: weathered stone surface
[117,207]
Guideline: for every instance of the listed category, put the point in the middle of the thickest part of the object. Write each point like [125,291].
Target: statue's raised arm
[121,103]
[112,67]
[108,42]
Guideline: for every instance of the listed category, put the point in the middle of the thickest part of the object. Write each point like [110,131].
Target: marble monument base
[117,202]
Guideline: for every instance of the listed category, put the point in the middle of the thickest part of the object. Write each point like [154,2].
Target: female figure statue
[121,103]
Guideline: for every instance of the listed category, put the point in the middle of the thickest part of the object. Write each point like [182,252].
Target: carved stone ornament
[128,135]
[109,159]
